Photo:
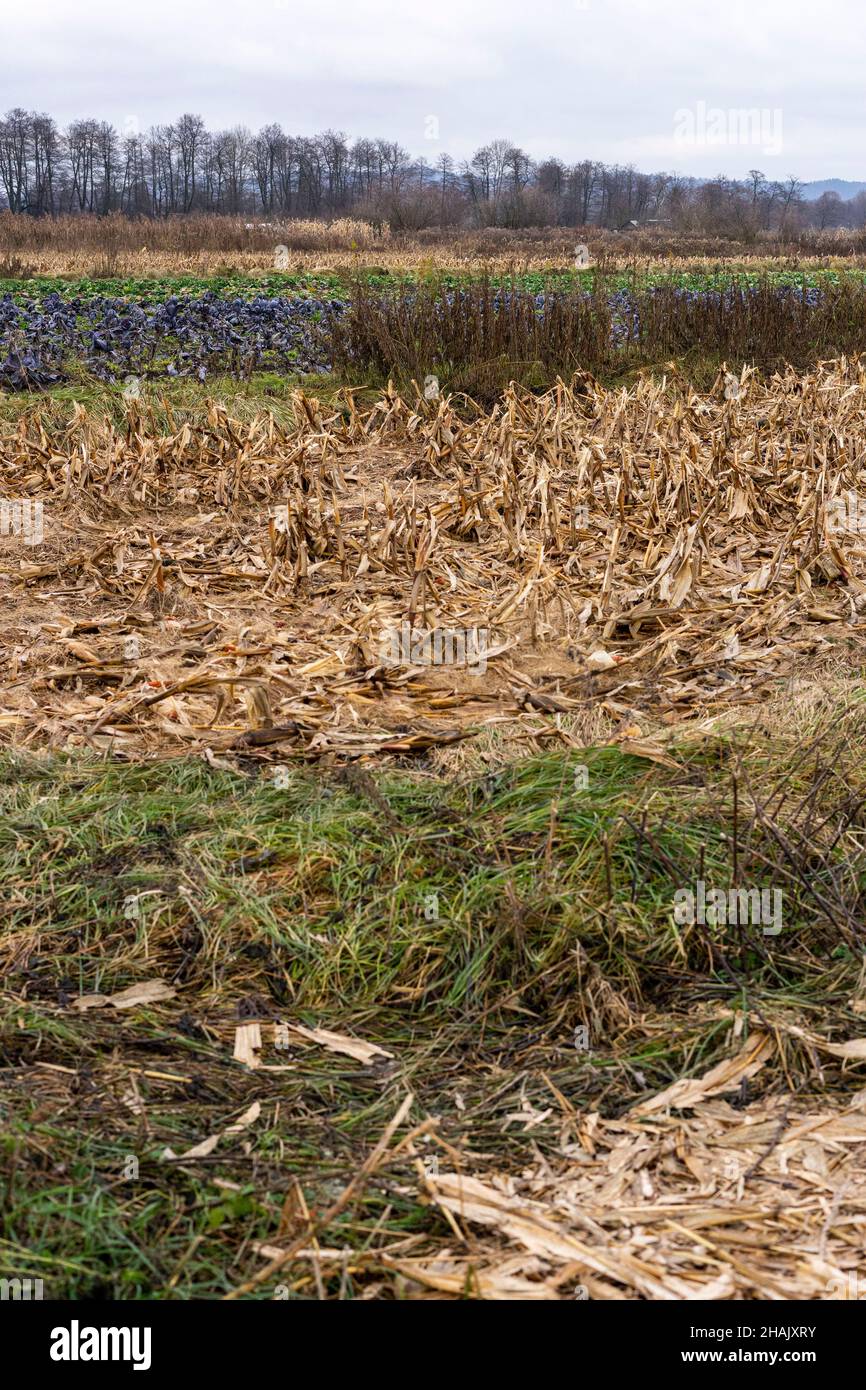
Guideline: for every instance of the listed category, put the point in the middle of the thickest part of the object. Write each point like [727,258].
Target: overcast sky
[656,83]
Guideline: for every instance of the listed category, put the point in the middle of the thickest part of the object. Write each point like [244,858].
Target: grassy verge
[472,926]
[168,401]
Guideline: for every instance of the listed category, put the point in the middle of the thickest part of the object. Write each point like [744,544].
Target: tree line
[182,168]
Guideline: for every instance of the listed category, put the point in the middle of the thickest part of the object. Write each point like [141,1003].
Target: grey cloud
[603,79]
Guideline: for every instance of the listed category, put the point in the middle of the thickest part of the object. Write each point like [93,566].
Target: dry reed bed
[257,254]
[83,245]
[653,551]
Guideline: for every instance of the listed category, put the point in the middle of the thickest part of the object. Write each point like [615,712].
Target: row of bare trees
[184,168]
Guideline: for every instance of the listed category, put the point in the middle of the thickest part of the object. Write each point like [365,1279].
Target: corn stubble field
[333,976]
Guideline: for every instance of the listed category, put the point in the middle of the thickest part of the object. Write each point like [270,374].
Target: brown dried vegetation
[655,549]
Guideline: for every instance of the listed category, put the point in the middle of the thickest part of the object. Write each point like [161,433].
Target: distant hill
[846,188]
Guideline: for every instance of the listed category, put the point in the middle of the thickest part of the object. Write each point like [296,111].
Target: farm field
[476,323]
[82,245]
[388,641]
